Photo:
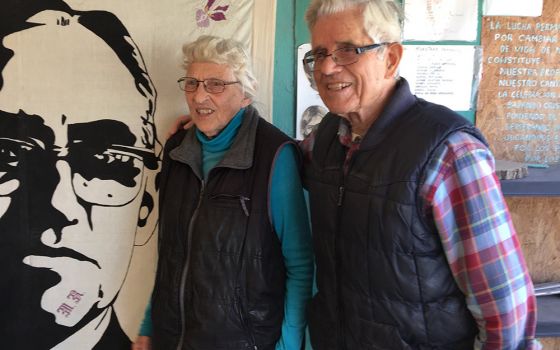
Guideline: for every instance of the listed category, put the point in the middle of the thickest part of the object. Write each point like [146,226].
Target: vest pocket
[231,201]
[372,335]
[322,326]
[244,317]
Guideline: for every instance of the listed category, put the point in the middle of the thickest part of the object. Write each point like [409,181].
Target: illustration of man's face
[311,118]
[73,172]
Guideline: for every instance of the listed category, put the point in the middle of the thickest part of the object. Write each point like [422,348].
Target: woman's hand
[142,343]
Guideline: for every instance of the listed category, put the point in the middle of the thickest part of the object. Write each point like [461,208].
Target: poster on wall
[442,74]
[87,88]
[519,99]
[310,109]
[436,20]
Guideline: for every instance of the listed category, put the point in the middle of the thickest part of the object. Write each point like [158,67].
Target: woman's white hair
[218,50]
[382,18]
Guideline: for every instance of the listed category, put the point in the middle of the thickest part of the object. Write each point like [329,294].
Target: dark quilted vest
[221,276]
[383,279]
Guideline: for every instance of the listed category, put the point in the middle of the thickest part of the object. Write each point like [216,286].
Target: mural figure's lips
[63,253]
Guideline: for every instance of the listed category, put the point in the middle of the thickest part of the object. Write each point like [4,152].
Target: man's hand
[142,343]
[183,122]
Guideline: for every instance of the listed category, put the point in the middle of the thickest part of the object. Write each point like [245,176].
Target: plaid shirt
[462,197]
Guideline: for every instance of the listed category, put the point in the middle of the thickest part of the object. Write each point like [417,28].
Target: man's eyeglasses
[342,57]
[212,85]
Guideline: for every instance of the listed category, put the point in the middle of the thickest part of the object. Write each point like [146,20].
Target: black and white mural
[79,158]
[78,163]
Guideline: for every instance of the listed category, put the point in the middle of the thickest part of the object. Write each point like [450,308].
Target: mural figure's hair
[382,18]
[14,19]
[223,51]
[111,30]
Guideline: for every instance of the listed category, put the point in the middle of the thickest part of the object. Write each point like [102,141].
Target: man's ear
[148,212]
[393,57]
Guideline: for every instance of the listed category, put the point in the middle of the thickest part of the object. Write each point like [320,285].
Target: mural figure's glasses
[106,175]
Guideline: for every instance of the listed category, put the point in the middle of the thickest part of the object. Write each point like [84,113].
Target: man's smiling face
[359,87]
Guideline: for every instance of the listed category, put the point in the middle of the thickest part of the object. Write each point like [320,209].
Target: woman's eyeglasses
[212,85]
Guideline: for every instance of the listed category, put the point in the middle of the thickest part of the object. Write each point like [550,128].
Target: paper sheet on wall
[309,106]
[441,74]
[434,20]
[527,8]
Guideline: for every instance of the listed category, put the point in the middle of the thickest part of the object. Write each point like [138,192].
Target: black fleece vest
[383,279]
[221,277]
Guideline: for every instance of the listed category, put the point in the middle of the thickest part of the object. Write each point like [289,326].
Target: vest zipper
[244,205]
[340,195]
[185,272]
[340,305]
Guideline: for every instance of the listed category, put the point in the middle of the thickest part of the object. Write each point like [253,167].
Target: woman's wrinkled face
[211,112]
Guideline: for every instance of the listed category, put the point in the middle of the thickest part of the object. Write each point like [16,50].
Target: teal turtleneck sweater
[290,221]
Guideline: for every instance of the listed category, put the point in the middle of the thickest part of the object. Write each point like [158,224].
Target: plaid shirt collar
[349,141]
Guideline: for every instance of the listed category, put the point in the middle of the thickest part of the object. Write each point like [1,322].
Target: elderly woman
[235,262]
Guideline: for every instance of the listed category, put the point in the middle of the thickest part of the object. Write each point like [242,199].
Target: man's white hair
[382,18]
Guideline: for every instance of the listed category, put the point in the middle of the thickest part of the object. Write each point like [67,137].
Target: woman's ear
[246,101]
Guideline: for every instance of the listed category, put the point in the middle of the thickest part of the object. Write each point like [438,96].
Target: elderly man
[77,170]
[414,244]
